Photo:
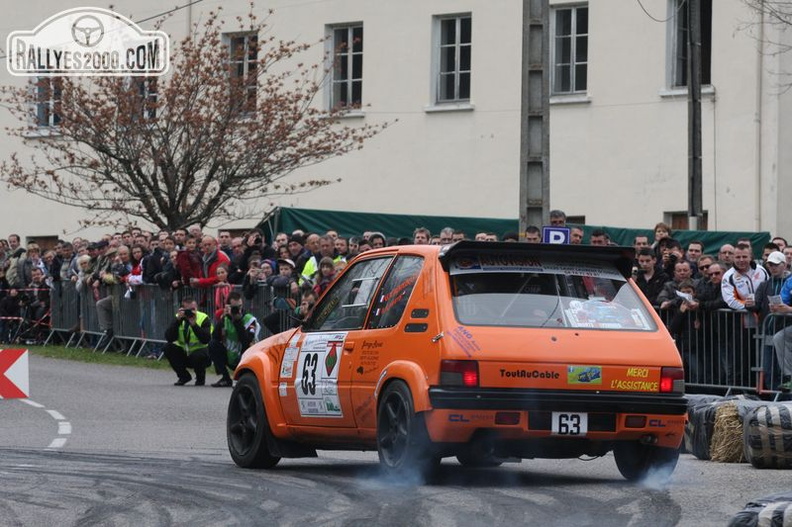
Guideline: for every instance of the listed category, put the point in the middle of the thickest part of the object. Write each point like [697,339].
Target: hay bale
[767,436]
[771,511]
[727,435]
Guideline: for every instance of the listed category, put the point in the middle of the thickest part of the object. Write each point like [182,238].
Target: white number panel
[316,382]
[570,424]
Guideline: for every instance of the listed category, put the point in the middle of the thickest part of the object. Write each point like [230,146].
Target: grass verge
[88,355]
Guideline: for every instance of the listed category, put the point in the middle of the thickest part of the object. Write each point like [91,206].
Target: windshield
[550,295]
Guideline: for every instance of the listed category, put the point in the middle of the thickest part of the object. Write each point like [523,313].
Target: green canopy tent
[287,219]
[347,224]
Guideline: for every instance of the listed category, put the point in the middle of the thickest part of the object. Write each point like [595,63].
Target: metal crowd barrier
[141,314]
[721,351]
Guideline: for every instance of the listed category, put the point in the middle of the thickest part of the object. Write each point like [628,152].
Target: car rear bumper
[525,415]
[558,401]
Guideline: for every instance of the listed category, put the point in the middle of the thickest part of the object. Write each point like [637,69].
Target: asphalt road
[99,445]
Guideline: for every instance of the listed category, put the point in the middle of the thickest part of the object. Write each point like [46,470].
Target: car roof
[620,257]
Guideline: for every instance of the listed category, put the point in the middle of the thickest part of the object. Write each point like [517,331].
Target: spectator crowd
[690,289]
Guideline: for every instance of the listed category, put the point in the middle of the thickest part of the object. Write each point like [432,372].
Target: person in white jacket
[738,289]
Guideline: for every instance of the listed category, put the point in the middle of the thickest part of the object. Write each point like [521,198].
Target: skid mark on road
[64,426]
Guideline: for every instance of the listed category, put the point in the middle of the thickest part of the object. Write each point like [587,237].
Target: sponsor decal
[634,386]
[584,374]
[465,340]
[316,379]
[369,356]
[464,418]
[529,374]
[526,263]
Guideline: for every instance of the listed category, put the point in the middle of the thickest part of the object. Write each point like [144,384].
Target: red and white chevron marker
[14,379]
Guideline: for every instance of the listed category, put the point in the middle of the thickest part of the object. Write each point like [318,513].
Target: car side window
[395,292]
[346,304]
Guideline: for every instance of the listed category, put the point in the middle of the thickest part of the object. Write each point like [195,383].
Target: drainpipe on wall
[189,19]
[759,92]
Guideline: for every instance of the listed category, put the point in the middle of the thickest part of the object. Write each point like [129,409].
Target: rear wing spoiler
[621,258]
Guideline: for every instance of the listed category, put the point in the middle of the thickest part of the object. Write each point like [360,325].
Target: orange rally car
[484,351]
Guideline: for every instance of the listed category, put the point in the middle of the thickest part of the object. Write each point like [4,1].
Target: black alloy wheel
[247,428]
[402,441]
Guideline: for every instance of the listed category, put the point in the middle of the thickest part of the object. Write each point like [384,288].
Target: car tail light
[635,421]
[459,373]
[507,418]
[672,380]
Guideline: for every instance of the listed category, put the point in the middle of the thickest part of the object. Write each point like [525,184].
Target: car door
[316,370]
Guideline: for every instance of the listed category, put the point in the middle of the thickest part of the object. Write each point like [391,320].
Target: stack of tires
[767,436]
[765,512]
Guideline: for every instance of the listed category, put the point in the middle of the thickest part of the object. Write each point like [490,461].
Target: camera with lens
[235,310]
[189,313]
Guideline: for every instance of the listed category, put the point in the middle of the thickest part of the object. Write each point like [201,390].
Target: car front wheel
[402,441]
[247,428]
[637,461]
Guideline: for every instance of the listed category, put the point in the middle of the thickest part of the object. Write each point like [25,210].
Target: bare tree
[222,129]
[778,14]
[777,11]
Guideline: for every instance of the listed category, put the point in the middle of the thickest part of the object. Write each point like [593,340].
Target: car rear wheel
[403,444]
[247,428]
[637,461]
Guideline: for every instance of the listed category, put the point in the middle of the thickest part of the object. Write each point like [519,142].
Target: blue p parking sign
[555,235]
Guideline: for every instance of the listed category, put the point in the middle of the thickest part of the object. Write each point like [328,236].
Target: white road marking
[56,415]
[64,426]
[57,443]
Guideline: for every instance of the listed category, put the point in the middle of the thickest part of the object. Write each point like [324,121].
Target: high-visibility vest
[311,266]
[188,340]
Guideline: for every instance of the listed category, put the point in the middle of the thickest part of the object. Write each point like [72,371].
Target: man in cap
[768,296]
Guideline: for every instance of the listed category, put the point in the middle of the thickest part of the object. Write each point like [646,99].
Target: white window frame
[247,64]
[573,53]
[458,102]
[44,111]
[335,56]
[672,51]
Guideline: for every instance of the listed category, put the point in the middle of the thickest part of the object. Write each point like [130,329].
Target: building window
[347,78]
[453,61]
[243,61]
[570,50]
[679,53]
[680,221]
[145,89]
[48,101]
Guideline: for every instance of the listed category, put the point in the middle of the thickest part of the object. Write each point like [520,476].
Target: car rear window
[500,290]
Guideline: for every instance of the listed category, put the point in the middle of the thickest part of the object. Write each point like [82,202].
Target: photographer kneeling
[234,332]
[188,339]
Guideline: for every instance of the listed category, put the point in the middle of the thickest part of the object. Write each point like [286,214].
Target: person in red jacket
[210,260]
